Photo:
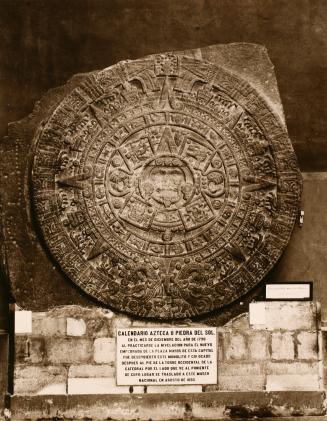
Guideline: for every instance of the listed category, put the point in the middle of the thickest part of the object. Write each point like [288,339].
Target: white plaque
[257,313]
[290,291]
[23,321]
[166,355]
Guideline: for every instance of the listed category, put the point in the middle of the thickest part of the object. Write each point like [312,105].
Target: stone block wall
[281,354]
[72,350]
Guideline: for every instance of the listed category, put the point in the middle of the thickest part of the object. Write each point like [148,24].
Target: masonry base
[163,407]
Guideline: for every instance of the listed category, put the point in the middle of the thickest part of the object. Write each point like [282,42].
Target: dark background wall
[44,42]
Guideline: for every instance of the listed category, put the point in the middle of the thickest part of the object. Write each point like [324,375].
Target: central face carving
[166,184]
[167,181]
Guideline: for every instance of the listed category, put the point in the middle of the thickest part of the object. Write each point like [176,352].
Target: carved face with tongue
[167,183]
[164,181]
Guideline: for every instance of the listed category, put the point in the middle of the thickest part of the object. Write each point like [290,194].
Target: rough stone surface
[292,376]
[292,382]
[89,370]
[238,383]
[307,345]
[75,327]
[175,389]
[95,386]
[48,326]
[169,406]
[122,322]
[240,369]
[241,322]
[104,350]
[37,380]
[235,346]
[53,389]
[29,350]
[240,376]
[258,345]
[291,315]
[295,367]
[99,327]
[282,345]
[69,350]
[220,346]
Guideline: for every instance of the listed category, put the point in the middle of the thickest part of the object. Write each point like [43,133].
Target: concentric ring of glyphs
[165,187]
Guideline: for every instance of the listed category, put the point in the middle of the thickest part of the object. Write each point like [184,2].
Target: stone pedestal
[272,369]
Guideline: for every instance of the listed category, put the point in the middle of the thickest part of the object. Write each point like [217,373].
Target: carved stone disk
[165,187]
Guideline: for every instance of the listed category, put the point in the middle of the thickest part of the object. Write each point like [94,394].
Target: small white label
[257,313]
[288,291]
[23,321]
[166,356]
